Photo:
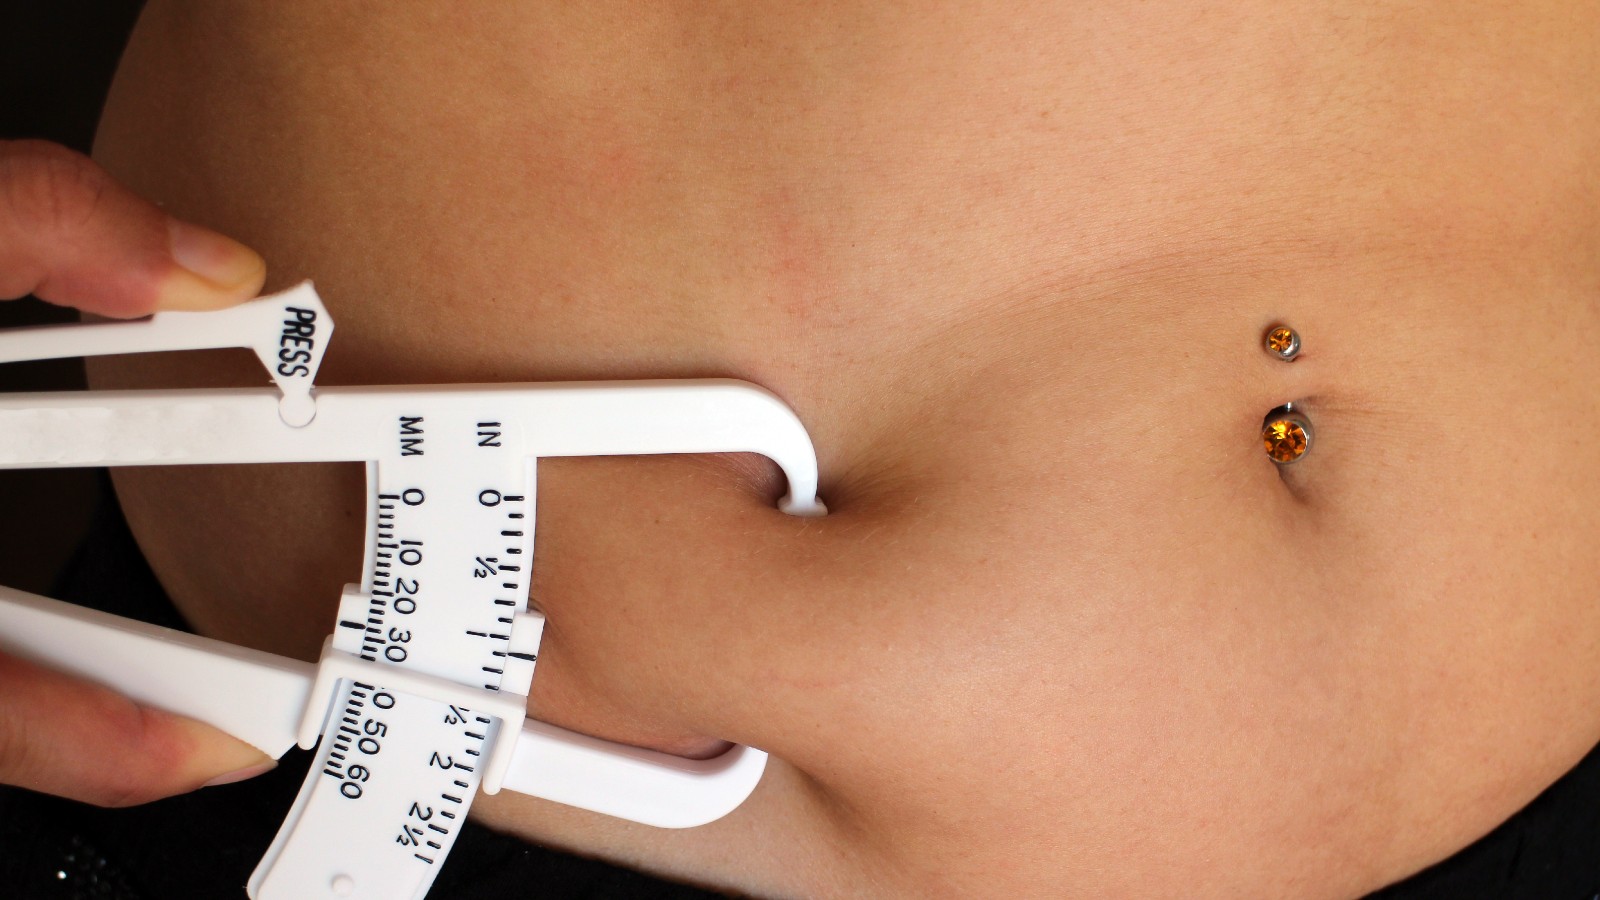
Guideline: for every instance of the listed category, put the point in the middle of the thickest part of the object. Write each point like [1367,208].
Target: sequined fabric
[48,864]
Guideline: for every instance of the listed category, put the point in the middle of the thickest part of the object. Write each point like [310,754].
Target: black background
[56,62]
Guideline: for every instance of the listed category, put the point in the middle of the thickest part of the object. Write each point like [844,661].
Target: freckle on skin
[794,249]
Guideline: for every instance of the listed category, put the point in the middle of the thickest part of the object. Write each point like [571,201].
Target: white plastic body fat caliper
[419,698]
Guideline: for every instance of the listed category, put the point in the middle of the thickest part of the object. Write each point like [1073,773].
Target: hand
[71,235]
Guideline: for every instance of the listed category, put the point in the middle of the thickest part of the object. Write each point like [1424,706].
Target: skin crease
[1066,631]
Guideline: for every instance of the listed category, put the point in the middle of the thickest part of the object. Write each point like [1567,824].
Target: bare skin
[1067,630]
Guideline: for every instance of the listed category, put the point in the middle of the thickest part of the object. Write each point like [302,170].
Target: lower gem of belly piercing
[1286,434]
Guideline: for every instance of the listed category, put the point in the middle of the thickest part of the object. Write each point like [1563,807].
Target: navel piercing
[1282,341]
[1286,434]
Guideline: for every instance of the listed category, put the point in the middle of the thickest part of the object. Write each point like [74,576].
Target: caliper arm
[261,698]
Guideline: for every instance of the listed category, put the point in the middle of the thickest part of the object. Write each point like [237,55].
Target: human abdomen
[1011,266]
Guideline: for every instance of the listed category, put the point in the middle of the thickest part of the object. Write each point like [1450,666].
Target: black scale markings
[445,794]
[373,639]
[513,586]
[341,741]
[381,592]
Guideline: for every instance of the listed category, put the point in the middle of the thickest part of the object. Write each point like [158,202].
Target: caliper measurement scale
[450,538]
[419,697]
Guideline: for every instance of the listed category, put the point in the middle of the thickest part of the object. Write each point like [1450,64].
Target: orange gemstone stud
[1286,434]
[1283,342]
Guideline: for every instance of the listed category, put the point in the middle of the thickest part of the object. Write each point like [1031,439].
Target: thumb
[72,738]
[72,235]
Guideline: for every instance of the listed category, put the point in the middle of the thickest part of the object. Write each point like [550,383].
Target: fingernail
[243,774]
[214,270]
[220,260]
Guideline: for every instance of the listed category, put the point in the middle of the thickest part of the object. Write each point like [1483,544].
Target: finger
[70,234]
[71,738]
